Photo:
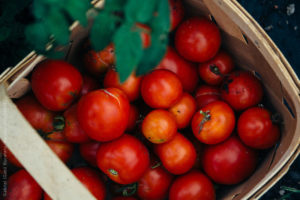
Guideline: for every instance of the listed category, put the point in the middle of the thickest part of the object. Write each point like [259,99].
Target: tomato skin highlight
[21,185]
[103,114]
[222,62]
[178,155]
[72,130]
[193,186]
[183,110]
[218,127]
[159,126]
[229,162]
[206,94]
[241,90]
[161,88]
[131,87]
[154,184]
[186,71]
[256,129]
[56,84]
[197,39]
[123,160]
[39,117]
[89,152]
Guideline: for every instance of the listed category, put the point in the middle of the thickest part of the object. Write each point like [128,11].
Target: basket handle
[36,156]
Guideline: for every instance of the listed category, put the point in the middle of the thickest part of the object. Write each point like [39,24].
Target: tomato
[178,155]
[145,34]
[133,117]
[123,160]
[241,90]
[229,162]
[256,129]
[89,84]
[184,110]
[186,71]
[103,114]
[131,87]
[206,94]
[161,88]
[155,183]
[91,179]
[159,126]
[89,152]
[58,144]
[197,39]
[192,186]
[213,123]
[213,71]
[72,130]
[177,12]
[38,117]
[21,185]
[9,155]
[56,84]
[98,62]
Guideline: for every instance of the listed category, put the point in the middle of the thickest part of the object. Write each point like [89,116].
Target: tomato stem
[59,123]
[113,172]
[206,117]
[156,165]
[128,190]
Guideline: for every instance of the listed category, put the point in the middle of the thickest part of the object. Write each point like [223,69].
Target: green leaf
[4,32]
[58,26]
[140,11]
[128,48]
[161,20]
[77,10]
[103,30]
[153,55]
[37,35]
[114,5]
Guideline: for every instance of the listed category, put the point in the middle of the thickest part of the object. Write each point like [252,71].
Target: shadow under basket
[251,49]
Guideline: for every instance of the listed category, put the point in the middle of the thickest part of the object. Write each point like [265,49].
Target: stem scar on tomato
[206,118]
[113,172]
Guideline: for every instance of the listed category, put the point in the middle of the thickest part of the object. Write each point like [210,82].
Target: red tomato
[89,84]
[89,152]
[212,72]
[206,94]
[256,129]
[91,179]
[159,126]
[124,160]
[145,34]
[155,183]
[197,39]
[103,114]
[9,155]
[192,186]
[213,123]
[131,87]
[186,71]
[178,155]
[98,62]
[229,162]
[63,149]
[38,117]
[177,12]
[72,130]
[133,117]
[22,186]
[56,84]
[241,90]
[184,110]
[161,88]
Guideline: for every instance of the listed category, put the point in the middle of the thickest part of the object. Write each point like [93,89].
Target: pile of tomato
[192,122]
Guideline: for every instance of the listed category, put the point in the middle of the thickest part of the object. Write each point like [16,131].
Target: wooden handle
[35,155]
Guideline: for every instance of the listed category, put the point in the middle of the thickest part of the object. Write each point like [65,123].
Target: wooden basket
[252,50]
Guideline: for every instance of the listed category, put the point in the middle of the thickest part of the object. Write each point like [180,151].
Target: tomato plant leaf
[77,10]
[103,30]
[37,34]
[161,20]
[128,48]
[140,11]
[114,5]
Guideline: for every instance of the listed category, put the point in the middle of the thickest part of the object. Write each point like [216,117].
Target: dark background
[279,18]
